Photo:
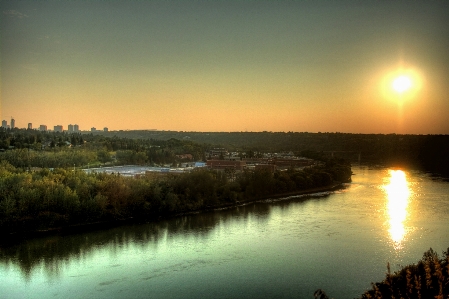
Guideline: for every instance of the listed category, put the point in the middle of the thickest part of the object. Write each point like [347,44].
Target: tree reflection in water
[53,252]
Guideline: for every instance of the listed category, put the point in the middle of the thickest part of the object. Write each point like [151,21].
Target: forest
[42,184]
[43,187]
[423,152]
[36,149]
[45,199]
[31,148]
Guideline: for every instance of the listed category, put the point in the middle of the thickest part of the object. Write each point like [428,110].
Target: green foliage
[428,152]
[33,148]
[429,278]
[131,157]
[313,155]
[46,199]
[338,169]
[104,156]
[25,158]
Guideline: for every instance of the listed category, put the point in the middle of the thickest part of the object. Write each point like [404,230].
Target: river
[285,248]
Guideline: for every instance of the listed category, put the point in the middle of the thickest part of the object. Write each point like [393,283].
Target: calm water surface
[340,242]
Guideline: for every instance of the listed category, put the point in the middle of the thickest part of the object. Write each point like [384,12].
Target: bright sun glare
[398,193]
[402,84]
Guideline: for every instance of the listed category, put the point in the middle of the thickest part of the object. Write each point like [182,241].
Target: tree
[104,156]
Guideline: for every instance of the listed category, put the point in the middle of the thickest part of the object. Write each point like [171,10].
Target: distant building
[13,123]
[30,126]
[218,153]
[233,158]
[93,129]
[43,128]
[70,128]
[185,156]
[282,162]
[4,124]
[76,128]
[58,128]
[200,164]
[105,129]
[224,164]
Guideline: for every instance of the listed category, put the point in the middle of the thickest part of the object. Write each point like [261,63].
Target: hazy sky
[226,65]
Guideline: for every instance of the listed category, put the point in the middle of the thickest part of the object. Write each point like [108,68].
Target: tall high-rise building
[105,129]
[76,128]
[42,128]
[70,128]
[30,126]
[13,123]
[4,124]
[58,128]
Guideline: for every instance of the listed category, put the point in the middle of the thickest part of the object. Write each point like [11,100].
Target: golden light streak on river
[398,194]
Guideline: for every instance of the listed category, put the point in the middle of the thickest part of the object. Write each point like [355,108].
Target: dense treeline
[429,278]
[32,148]
[427,152]
[45,199]
[34,139]
[24,158]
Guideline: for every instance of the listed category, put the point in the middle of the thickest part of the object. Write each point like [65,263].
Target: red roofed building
[280,162]
[224,164]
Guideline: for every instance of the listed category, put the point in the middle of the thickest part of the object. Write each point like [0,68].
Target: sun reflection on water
[398,193]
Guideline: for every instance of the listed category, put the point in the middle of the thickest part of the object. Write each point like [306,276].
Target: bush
[427,279]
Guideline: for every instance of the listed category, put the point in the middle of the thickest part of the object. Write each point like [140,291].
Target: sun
[402,84]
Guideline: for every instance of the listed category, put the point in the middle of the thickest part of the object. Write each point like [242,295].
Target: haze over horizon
[316,66]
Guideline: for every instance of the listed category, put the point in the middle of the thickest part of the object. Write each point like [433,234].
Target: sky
[302,66]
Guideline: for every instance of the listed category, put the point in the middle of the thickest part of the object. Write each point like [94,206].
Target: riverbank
[6,239]
[295,245]
[329,188]
[63,201]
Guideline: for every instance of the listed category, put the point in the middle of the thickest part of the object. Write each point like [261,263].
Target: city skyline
[70,127]
[355,67]
[57,128]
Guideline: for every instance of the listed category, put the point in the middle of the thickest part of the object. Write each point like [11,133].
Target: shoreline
[329,188]
[102,225]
